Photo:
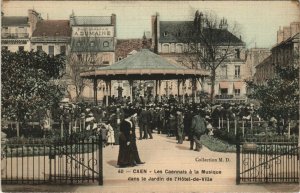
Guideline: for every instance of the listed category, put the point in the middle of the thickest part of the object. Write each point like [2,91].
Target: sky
[258,20]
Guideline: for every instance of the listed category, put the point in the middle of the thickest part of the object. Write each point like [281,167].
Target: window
[166,48]
[179,48]
[224,71]
[21,32]
[224,91]
[63,50]
[79,56]
[5,29]
[105,44]
[237,53]
[237,92]
[165,33]
[78,44]
[39,48]
[51,50]
[21,48]
[120,58]
[92,44]
[237,71]
[105,59]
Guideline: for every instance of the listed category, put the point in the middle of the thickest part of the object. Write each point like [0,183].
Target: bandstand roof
[144,65]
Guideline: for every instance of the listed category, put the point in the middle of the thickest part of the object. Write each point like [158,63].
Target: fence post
[251,123]
[80,124]
[70,127]
[83,124]
[18,129]
[219,123]
[75,127]
[62,129]
[235,123]
[243,128]
[222,122]
[227,125]
[238,151]
[289,130]
[100,161]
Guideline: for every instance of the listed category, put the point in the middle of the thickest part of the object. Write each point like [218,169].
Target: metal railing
[71,160]
[267,162]
[14,35]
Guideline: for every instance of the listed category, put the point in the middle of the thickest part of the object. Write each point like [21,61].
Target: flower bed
[215,144]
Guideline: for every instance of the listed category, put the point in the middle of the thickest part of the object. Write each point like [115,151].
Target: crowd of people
[118,121]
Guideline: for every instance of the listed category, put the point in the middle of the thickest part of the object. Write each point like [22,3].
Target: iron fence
[66,161]
[262,162]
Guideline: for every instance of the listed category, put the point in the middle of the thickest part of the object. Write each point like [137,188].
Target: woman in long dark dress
[128,153]
[133,146]
[125,157]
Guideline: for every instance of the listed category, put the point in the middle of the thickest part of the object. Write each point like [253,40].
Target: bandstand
[144,65]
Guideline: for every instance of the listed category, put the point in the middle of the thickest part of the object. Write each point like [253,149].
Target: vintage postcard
[150,96]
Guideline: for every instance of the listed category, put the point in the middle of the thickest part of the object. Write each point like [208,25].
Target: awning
[223,85]
[238,85]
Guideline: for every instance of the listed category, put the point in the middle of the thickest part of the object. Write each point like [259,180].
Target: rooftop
[125,46]
[90,20]
[52,28]
[144,65]
[144,59]
[14,21]
[183,32]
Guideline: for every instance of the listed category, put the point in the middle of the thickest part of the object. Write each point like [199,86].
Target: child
[110,135]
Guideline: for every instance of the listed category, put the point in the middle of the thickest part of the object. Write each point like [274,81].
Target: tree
[212,43]
[84,56]
[279,97]
[29,82]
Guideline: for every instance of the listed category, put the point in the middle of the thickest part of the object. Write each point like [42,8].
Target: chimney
[155,32]
[33,18]
[114,23]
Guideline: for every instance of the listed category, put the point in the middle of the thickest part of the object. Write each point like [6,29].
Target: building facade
[17,30]
[52,37]
[173,40]
[282,54]
[93,43]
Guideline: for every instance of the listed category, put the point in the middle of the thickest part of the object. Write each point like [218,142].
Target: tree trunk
[212,80]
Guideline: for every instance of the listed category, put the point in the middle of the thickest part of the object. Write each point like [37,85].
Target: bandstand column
[159,90]
[110,88]
[156,87]
[95,91]
[106,92]
[195,89]
[130,89]
[183,93]
[178,90]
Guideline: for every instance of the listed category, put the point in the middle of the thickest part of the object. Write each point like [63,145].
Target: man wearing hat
[198,128]
[145,120]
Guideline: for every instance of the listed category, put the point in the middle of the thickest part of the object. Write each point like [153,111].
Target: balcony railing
[225,98]
[51,39]
[14,35]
